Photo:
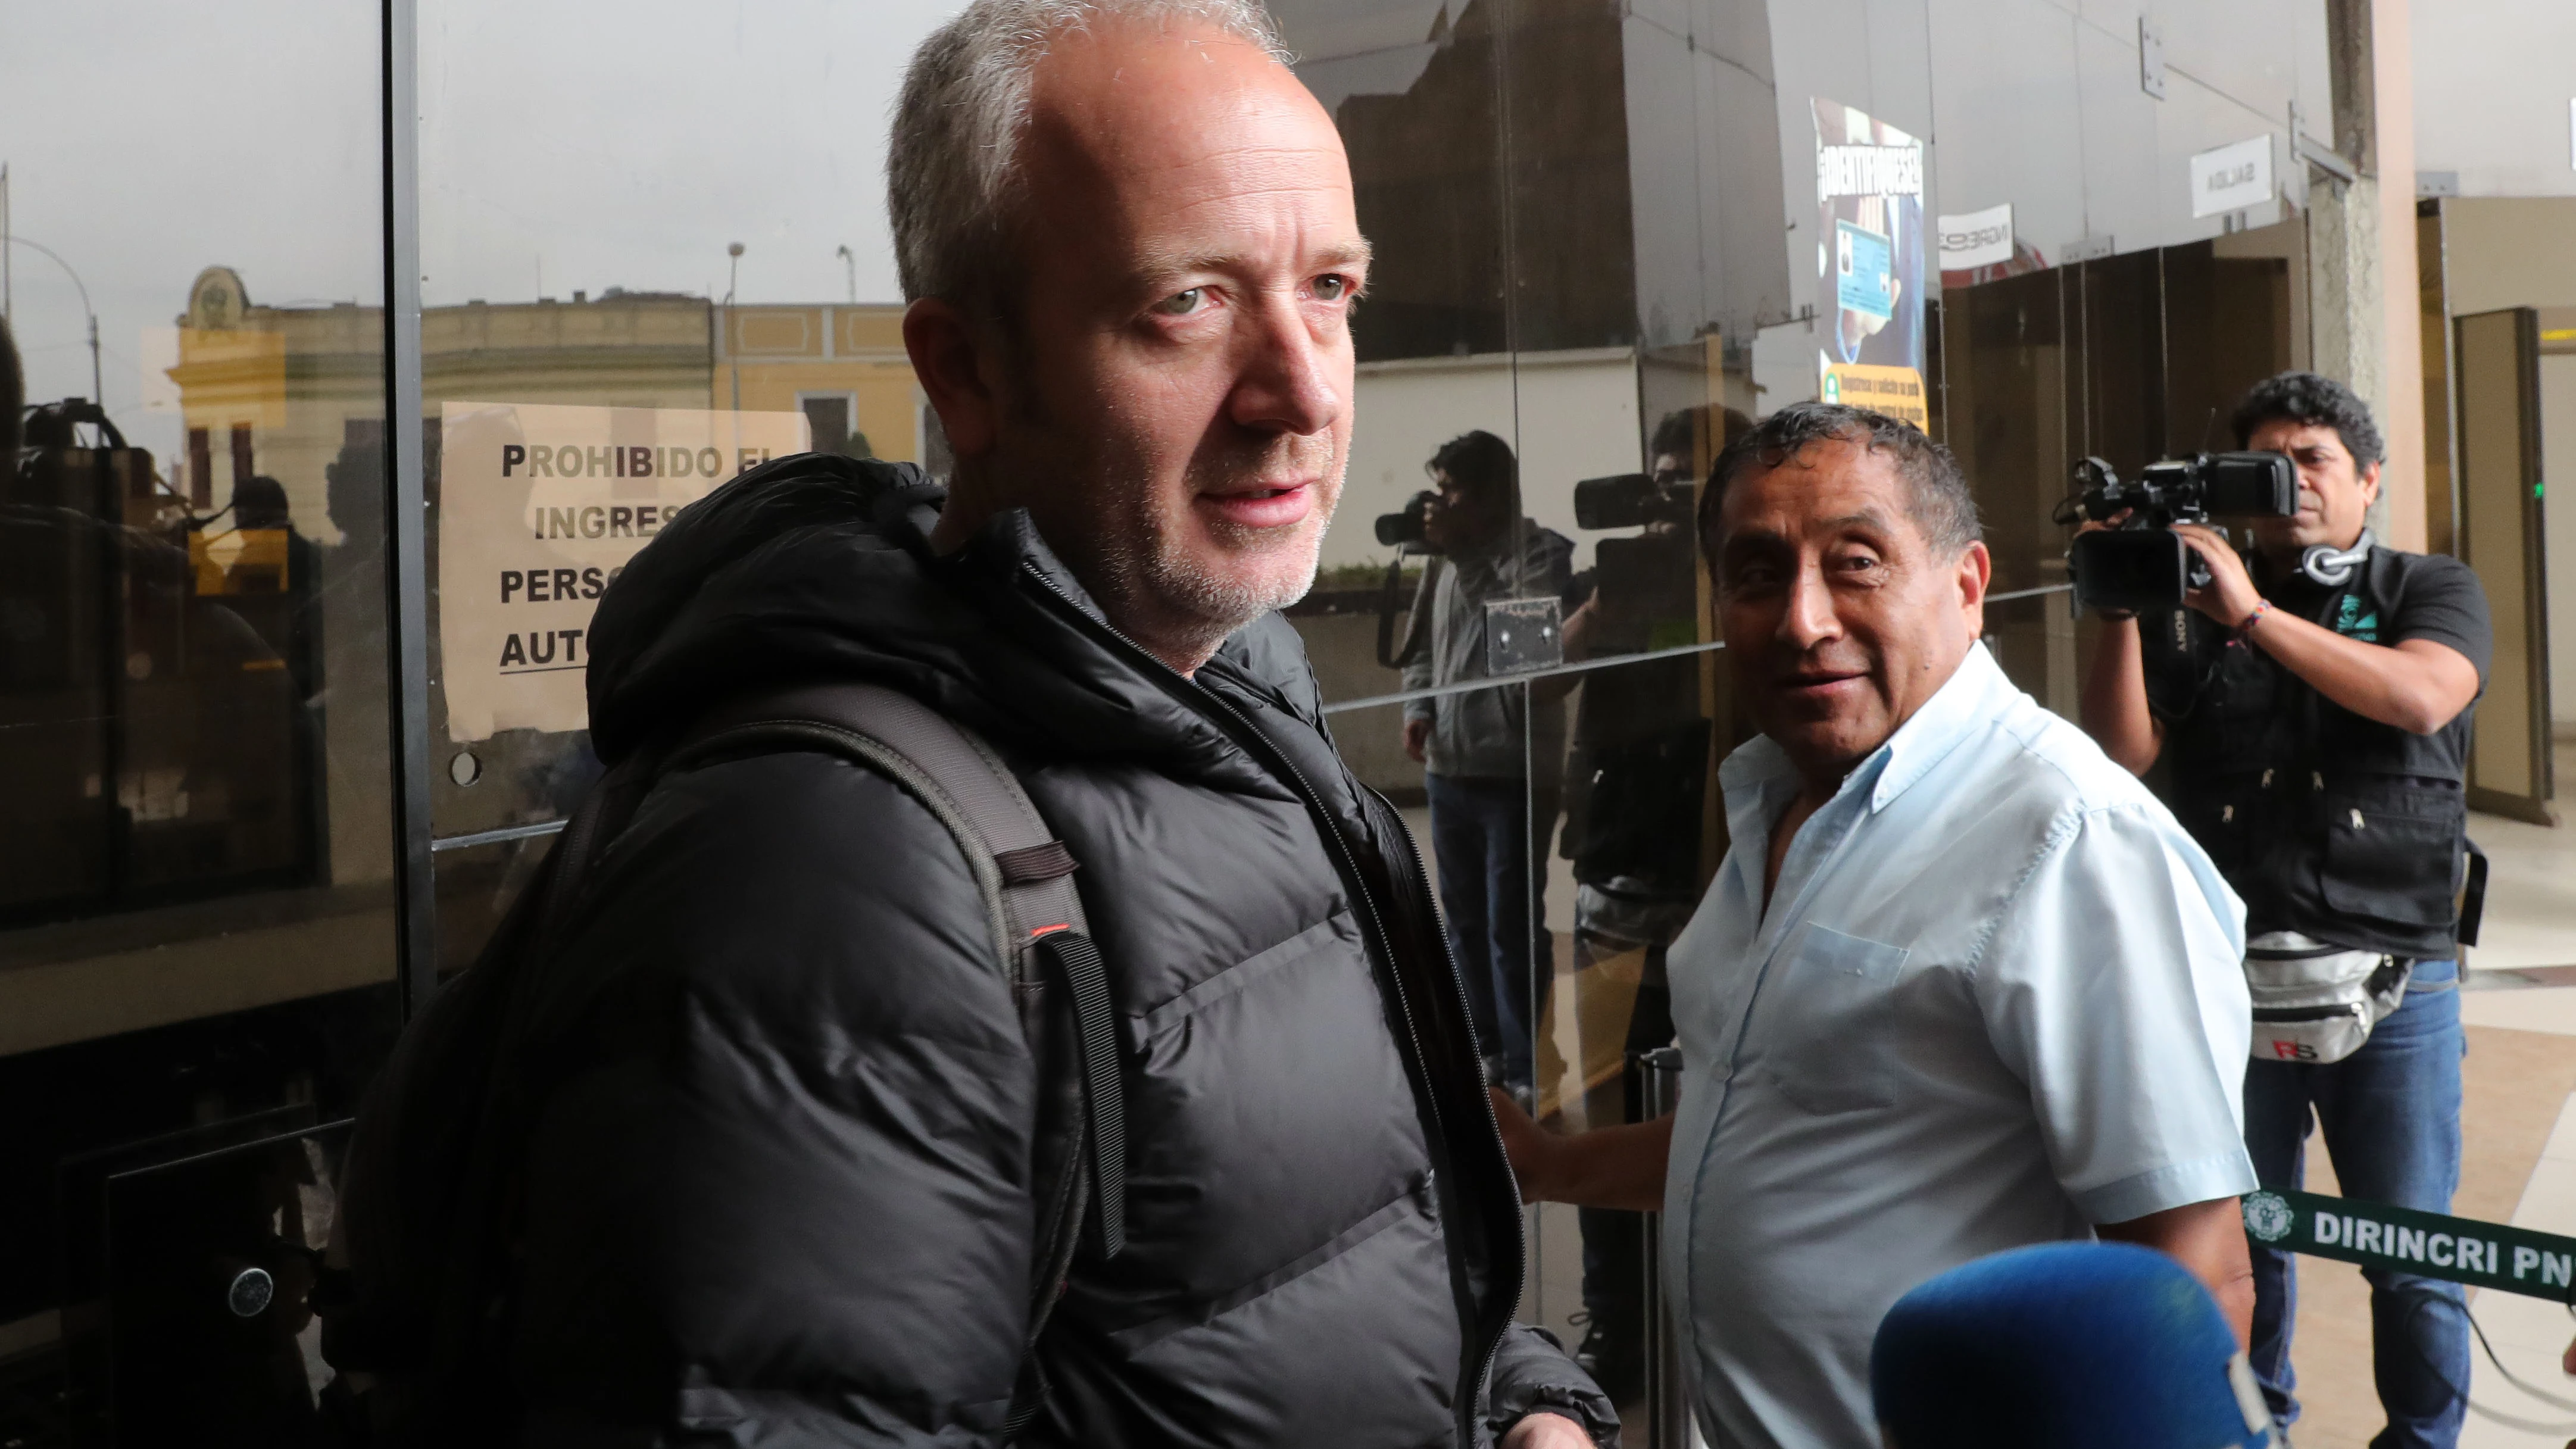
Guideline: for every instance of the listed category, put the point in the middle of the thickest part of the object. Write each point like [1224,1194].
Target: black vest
[2327,823]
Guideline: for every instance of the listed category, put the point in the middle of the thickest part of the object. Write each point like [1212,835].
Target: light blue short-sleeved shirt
[1998,999]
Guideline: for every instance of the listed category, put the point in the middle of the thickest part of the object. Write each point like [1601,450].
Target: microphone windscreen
[2103,1345]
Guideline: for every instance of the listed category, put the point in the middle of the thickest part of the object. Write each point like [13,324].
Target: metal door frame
[407,571]
[2537,807]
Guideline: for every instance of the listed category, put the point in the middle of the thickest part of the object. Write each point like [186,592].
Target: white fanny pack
[2317,1003]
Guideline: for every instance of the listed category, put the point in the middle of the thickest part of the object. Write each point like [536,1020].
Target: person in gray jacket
[780,1186]
[1491,758]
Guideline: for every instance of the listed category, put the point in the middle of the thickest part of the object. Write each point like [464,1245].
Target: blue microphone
[2104,1345]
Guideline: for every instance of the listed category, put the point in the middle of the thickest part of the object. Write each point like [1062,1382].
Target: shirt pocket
[1836,1045]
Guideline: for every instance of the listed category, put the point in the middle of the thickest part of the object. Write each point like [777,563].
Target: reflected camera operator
[1490,756]
[1635,781]
[2311,705]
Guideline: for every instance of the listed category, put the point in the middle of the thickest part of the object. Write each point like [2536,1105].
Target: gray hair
[1936,492]
[952,172]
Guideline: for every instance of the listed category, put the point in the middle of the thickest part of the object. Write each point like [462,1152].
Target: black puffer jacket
[779,1186]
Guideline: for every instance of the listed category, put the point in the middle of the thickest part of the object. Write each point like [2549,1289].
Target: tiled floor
[2518,1126]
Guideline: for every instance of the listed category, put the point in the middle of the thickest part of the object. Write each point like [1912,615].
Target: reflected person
[1489,756]
[780,1181]
[1636,771]
[1961,984]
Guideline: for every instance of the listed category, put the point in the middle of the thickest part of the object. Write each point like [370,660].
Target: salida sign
[539,507]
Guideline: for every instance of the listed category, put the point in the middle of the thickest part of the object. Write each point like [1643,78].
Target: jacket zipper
[1183,688]
[1458,993]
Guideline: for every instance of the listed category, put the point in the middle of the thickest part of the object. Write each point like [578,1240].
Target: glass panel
[608,334]
[2118,317]
[1412,87]
[196,850]
[1643,191]
[2131,359]
[2236,312]
[2036,639]
[2006,353]
[1630,859]
[477,885]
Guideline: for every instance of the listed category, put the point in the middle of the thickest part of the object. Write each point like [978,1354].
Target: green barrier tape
[2428,1245]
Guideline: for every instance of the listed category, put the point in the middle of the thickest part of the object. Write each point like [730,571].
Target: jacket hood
[816,567]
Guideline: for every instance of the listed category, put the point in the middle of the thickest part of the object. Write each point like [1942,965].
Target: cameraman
[2313,706]
[1491,756]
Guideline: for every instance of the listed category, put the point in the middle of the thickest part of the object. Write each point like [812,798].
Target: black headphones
[2332,566]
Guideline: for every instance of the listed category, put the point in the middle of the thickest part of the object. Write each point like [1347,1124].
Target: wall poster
[1869,263]
[538,508]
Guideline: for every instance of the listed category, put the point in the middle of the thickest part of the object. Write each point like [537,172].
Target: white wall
[2509,252]
[2492,84]
[1569,415]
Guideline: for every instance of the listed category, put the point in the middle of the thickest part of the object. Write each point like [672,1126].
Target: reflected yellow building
[289,392]
[842,366]
[266,390]
[281,391]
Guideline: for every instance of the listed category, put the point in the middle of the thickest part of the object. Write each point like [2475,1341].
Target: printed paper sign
[538,509]
[1978,239]
[1869,262]
[2232,178]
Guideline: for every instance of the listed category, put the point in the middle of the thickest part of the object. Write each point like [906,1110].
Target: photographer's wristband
[2261,607]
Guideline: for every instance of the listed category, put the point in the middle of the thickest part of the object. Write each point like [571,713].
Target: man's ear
[1975,573]
[948,356]
[2369,480]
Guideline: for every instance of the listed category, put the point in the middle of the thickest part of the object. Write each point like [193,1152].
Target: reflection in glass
[1630,863]
[1495,587]
[477,885]
[1576,212]
[629,302]
[183,659]
[2131,359]
[196,849]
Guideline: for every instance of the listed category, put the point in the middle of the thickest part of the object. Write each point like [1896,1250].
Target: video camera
[2142,564]
[1651,573]
[1629,500]
[1404,528]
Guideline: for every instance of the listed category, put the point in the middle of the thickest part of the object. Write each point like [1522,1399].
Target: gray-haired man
[780,1189]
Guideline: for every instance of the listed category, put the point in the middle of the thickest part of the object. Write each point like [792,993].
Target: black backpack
[416,1300]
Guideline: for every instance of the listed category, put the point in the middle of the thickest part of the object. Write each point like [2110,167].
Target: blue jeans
[2391,1113]
[1490,838]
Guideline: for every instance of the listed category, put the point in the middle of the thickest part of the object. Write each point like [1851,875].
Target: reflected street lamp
[733,274]
[97,394]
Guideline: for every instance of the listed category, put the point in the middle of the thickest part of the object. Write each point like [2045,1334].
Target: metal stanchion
[1668,1413]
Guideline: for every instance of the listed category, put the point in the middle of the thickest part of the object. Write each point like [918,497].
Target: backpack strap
[954,773]
[1034,912]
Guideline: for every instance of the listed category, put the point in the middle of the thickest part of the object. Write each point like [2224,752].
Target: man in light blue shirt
[1961,983]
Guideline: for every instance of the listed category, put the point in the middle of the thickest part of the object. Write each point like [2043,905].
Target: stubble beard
[1095,503]
[1180,602]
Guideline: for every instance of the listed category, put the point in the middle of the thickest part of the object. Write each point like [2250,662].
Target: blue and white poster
[1869,263]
